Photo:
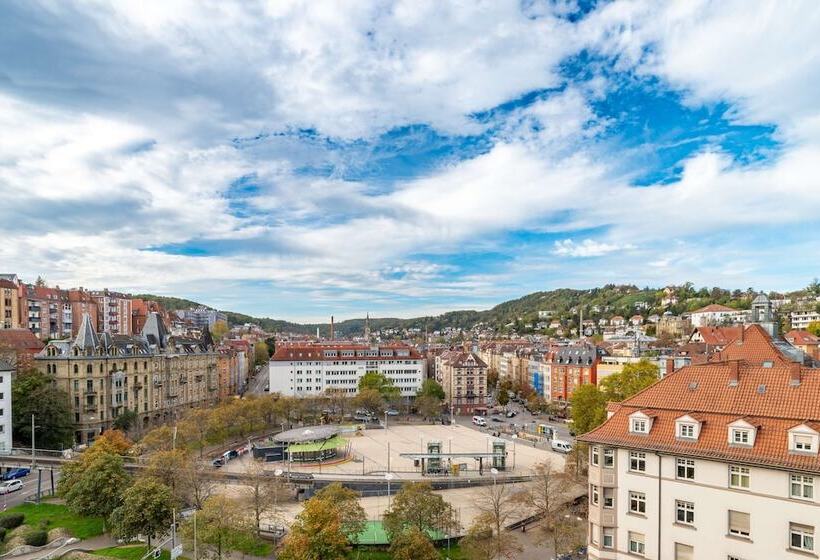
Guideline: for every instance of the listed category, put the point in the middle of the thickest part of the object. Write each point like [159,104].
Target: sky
[297,159]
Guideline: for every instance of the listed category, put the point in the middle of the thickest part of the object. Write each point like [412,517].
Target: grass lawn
[129,552]
[58,515]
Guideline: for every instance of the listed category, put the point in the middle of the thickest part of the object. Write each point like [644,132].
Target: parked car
[511,414]
[11,486]
[218,462]
[561,446]
[479,421]
[391,412]
[19,472]
[494,419]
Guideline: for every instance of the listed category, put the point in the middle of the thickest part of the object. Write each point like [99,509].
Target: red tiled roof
[301,352]
[753,345]
[21,340]
[719,336]
[714,308]
[801,338]
[7,284]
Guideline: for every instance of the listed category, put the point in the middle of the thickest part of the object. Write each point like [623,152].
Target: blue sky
[302,159]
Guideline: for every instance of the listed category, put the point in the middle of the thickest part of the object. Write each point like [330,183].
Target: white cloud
[586,248]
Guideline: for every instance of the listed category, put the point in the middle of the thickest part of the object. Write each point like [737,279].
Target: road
[259,382]
[29,490]
[521,418]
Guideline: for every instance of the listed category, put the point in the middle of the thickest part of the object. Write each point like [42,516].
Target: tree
[346,501]
[370,400]
[814,328]
[428,406]
[379,382]
[34,392]
[147,509]
[115,440]
[218,330]
[431,388]
[93,483]
[634,377]
[166,468]
[263,492]
[588,408]
[221,526]
[260,353]
[415,505]
[125,421]
[503,398]
[271,342]
[492,379]
[814,287]
[496,504]
[478,543]
[546,496]
[412,544]
[317,534]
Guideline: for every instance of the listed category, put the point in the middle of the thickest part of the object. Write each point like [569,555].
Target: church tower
[367,328]
[763,314]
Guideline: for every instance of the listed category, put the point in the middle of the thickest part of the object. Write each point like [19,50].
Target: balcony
[92,392]
[90,408]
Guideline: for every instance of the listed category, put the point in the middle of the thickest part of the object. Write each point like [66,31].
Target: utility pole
[33,449]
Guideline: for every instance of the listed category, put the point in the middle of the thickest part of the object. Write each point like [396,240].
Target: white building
[802,319]
[310,369]
[716,314]
[717,461]
[5,406]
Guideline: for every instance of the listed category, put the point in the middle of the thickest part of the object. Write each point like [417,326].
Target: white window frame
[686,430]
[687,465]
[639,426]
[741,436]
[595,455]
[741,534]
[608,534]
[610,499]
[609,457]
[594,495]
[740,473]
[804,485]
[637,503]
[806,535]
[637,459]
[802,447]
[688,511]
[637,546]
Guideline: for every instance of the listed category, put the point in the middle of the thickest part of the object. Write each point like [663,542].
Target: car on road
[218,462]
[19,472]
[11,486]
[561,446]
[494,419]
[391,412]
[479,421]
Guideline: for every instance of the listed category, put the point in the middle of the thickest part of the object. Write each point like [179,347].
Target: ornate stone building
[156,375]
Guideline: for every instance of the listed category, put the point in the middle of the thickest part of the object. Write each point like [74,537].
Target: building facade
[463,375]
[571,367]
[310,369]
[6,372]
[113,312]
[802,319]
[715,461]
[9,305]
[155,375]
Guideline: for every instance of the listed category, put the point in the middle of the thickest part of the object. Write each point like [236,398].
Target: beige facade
[9,305]
[463,375]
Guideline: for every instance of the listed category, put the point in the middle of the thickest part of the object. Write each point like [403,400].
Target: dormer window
[742,433]
[803,443]
[686,431]
[640,423]
[741,437]
[804,439]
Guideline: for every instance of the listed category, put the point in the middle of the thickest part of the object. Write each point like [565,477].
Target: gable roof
[755,346]
[718,336]
[21,340]
[801,338]
[715,308]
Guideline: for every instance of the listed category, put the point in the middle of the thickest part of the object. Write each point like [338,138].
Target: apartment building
[309,369]
[571,367]
[202,317]
[802,319]
[113,312]
[154,374]
[81,304]
[9,305]
[805,342]
[463,375]
[6,372]
[716,314]
[717,461]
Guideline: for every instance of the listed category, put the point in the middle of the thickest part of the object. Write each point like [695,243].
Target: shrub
[11,520]
[3,533]
[38,537]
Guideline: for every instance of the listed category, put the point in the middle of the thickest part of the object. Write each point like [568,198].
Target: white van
[479,421]
[561,446]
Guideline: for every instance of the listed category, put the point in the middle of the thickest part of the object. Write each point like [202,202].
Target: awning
[332,443]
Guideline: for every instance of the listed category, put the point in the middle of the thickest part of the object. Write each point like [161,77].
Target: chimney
[331,327]
[795,373]
[734,373]
[670,365]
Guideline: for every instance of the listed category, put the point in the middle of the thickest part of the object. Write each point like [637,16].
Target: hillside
[522,314]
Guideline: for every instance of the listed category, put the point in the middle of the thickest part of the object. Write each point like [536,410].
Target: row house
[715,461]
[113,312]
[463,375]
[155,375]
[9,305]
[571,367]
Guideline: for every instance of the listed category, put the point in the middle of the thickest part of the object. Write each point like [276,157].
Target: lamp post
[277,473]
[388,477]
[514,437]
[33,449]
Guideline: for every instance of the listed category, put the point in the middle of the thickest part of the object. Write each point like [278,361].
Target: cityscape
[395,280]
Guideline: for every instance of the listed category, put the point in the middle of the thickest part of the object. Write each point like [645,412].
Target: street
[258,383]
[521,418]
[29,490]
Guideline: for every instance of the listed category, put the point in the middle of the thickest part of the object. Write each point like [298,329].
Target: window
[685,469]
[637,461]
[684,512]
[684,552]
[803,443]
[636,543]
[593,495]
[637,503]
[739,524]
[609,458]
[801,537]
[608,537]
[594,456]
[609,498]
[802,487]
[741,437]
[640,426]
[738,477]
[686,431]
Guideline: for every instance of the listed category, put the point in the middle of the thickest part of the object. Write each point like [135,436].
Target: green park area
[51,516]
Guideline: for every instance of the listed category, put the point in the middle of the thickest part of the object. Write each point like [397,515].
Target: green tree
[415,505]
[219,329]
[634,377]
[428,406]
[588,408]
[93,483]
[260,353]
[412,544]
[379,382]
[125,421]
[370,399]
[814,328]
[431,388]
[346,501]
[34,392]
[317,534]
[147,509]
[221,526]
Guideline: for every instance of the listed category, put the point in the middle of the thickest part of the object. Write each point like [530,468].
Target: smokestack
[795,374]
[331,327]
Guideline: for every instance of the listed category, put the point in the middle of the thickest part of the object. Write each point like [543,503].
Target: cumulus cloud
[586,248]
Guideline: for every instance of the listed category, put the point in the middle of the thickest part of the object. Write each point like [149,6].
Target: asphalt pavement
[29,490]
[521,418]
[259,382]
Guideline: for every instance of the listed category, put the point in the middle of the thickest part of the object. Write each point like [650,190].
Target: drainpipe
[660,503]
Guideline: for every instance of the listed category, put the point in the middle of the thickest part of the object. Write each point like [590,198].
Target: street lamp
[514,437]
[388,477]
